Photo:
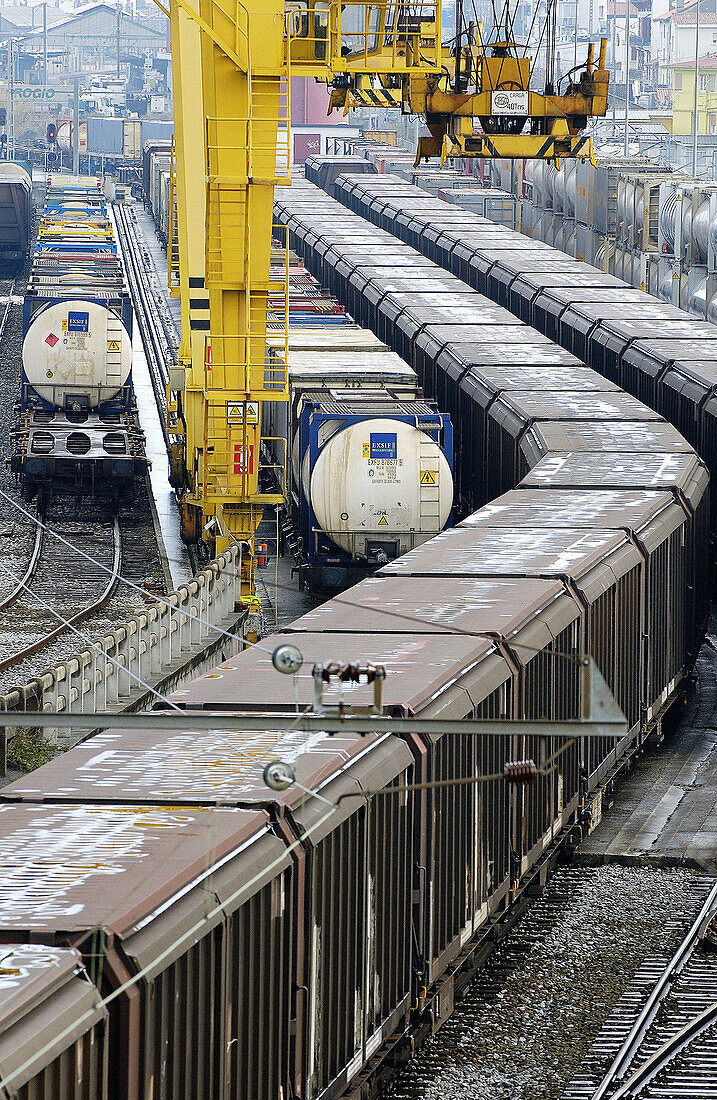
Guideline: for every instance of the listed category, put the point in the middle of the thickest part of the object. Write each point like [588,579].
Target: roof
[26,16]
[709,61]
[617,7]
[687,18]
[74,24]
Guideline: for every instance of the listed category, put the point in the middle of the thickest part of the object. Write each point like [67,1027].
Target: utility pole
[44,43]
[11,99]
[695,101]
[627,77]
[119,18]
[76,129]
[614,71]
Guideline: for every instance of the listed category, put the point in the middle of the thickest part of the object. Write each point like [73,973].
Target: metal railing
[140,652]
[363,36]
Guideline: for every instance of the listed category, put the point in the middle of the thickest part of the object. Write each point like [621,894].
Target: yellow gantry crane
[232,67]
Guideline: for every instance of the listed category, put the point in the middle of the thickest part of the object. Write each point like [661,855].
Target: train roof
[32,978]
[530,354]
[450,605]
[159,851]
[550,376]
[684,474]
[593,559]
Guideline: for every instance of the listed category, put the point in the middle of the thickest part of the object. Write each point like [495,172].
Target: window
[678,82]
[713,124]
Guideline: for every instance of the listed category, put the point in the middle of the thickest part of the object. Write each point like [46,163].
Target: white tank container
[699,227]
[712,310]
[570,186]
[540,187]
[65,137]
[697,302]
[76,348]
[668,216]
[551,183]
[383,477]
[558,190]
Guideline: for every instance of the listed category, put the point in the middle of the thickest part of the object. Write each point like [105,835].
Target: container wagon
[323,926]
[77,424]
[369,458]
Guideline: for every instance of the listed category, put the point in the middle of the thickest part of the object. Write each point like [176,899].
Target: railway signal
[51,135]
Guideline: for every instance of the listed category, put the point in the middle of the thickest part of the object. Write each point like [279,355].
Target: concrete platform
[278,589]
[665,811]
[175,560]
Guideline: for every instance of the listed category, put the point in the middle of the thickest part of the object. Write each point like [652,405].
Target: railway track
[6,311]
[660,1041]
[157,337]
[59,588]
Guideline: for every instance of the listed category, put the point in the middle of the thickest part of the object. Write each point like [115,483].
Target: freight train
[369,470]
[251,944]
[369,460]
[157,167]
[657,352]
[651,226]
[77,426]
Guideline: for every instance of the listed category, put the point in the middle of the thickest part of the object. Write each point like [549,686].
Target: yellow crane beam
[232,125]
[232,66]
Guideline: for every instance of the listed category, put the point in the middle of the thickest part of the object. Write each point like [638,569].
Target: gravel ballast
[532,1012]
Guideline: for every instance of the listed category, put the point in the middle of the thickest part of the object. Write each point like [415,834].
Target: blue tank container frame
[78,434]
[319,549]
[67,269]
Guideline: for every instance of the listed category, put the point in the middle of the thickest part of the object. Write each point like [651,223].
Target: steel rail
[665,1054]
[22,584]
[7,309]
[79,616]
[12,596]
[156,349]
[627,1052]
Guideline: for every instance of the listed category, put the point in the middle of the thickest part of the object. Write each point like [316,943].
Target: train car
[77,426]
[46,992]
[156,167]
[322,927]
[370,460]
[654,350]
[15,213]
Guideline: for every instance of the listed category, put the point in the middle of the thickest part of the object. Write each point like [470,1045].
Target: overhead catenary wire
[192,934]
[488,635]
[252,759]
[144,592]
[467,780]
